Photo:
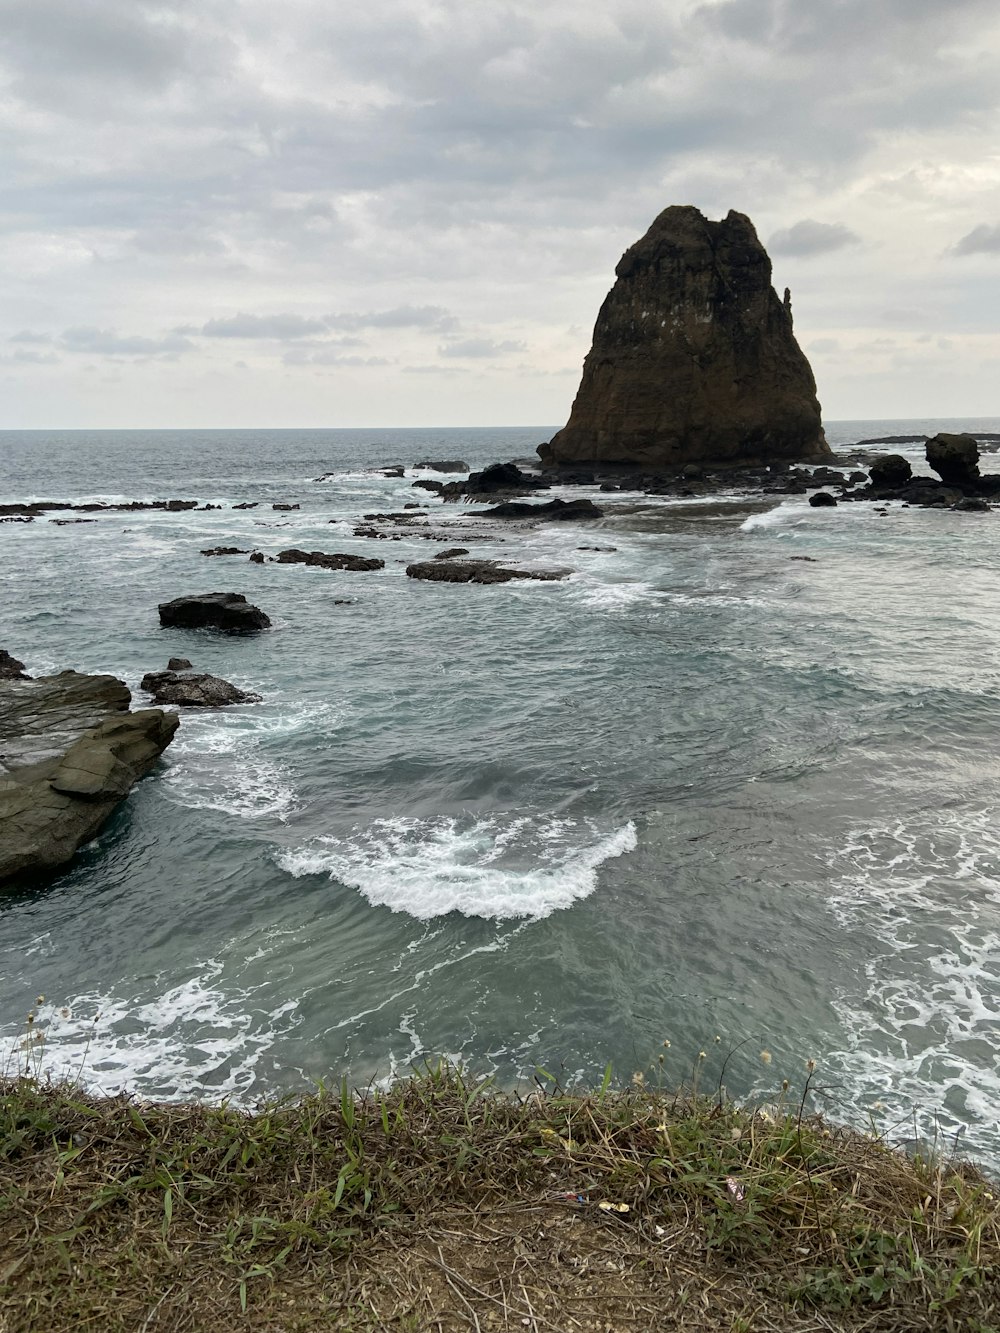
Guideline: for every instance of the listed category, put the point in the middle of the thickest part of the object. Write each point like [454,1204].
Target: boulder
[225,550]
[889,471]
[822,500]
[285,508]
[178,664]
[451,553]
[560,510]
[477,571]
[334,560]
[435,486]
[445,465]
[226,611]
[693,357]
[11,668]
[194,690]
[497,479]
[955,458]
[70,751]
[971,505]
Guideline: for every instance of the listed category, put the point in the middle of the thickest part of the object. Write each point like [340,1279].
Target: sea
[721,803]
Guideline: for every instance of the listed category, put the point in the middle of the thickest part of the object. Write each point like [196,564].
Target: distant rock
[822,500]
[891,471]
[226,550]
[226,611]
[445,465]
[247,504]
[334,560]
[969,504]
[11,668]
[560,510]
[285,508]
[693,357]
[955,458]
[70,751]
[477,571]
[451,553]
[428,485]
[393,472]
[194,690]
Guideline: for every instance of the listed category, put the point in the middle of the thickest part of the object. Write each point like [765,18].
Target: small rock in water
[333,560]
[822,500]
[178,664]
[451,553]
[283,508]
[225,550]
[195,690]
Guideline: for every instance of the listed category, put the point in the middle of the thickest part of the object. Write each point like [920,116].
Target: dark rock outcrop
[451,553]
[559,510]
[693,357]
[955,458]
[226,611]
[178,664]
[70,751]
[444,465]
[194,689]
[477,571]
[332,560]
[822,500]
[226,550]
[11,668]
[497,479]
[285,508]
[891,471]
[428,485]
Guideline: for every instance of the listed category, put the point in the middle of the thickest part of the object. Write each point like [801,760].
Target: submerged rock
[693,357]
[194,690]
[226,611]
[70,751]
[477,571]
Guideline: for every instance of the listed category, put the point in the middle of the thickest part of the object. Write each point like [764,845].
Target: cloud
[105,342]
[807,238]
[982,240]
[479,347]
[431,317]
[263,326]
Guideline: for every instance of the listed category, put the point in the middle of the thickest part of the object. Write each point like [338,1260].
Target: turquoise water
[698,789]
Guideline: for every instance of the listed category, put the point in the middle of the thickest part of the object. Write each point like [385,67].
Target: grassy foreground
[443,1204]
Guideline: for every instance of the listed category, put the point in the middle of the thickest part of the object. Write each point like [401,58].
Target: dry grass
[446,1205]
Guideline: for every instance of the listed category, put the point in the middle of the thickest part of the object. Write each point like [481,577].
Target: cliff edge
[693,359]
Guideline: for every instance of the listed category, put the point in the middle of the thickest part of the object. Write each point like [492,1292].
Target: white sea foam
[220,766]
[498,867]
[195,1039]
[923,1029]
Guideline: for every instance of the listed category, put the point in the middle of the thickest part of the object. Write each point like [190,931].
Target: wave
[495,867]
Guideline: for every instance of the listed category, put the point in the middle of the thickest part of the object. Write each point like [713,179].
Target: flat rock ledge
[478,571]
[70,752]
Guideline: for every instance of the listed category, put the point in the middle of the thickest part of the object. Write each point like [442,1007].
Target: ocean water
[732,785]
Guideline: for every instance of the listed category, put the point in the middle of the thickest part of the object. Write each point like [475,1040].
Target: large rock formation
[70,752]
[693,357]
[226,611]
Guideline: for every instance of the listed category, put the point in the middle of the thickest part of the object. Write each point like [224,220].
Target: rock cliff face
[693,358]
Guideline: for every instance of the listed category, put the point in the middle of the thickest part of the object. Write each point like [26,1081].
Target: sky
[240,213]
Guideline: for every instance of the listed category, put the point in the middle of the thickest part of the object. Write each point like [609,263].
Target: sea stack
[693,359]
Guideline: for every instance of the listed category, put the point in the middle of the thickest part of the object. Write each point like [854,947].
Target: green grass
[446,1204]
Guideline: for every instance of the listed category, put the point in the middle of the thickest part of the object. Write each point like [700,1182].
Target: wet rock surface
[559,510]
[478,571]
[229,612]
[329,560]
[194,689]
[70,751]
[693,357]
[10,667]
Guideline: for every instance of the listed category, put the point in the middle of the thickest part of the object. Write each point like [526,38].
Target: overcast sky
[407,212]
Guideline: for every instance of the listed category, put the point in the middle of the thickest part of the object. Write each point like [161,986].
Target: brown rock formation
[70,752]
[693,357]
